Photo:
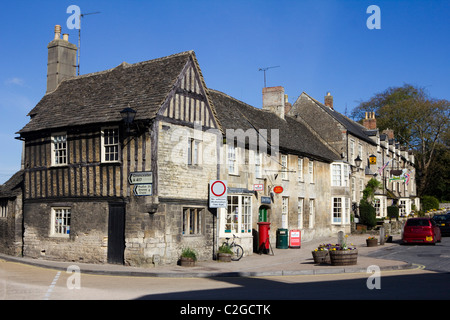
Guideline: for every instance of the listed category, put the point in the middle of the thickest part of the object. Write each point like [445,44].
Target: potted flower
[371,242]
[224,253]
[188,257]
[321,253]
[343,254]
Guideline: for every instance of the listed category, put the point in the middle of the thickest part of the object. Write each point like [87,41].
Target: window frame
[232,154]
[258,164]
[300,169]
[64,212]
[239,219]
[54,150]
[342,178]
[195,225]
[284,167]
[3,208]
[284,212]
[300,210]
[194,152]
[311,171]
[342,216]
[104,145]
[311,213]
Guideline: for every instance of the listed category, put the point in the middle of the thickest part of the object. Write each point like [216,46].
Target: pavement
[283,262]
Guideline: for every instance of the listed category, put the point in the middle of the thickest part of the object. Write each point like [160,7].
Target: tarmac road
[289,274]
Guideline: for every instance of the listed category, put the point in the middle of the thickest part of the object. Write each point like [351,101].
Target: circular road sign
[218,188]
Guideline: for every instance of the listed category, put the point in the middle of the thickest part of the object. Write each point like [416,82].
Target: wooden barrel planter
[343,257]
[224,257]
[321,256]
[372,242]
[187,262]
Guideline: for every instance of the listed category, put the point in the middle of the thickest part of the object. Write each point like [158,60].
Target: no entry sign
[218,194]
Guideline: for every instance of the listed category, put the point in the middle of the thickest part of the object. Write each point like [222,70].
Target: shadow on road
[432,286]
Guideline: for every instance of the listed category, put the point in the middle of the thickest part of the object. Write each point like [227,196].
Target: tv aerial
[79,36]
[264,70]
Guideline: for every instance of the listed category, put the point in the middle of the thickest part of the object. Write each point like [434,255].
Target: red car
[421,230]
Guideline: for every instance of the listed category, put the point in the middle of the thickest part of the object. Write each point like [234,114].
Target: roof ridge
[125,64]
[237,100]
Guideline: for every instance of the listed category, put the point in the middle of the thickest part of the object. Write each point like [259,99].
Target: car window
[441,218]
[417,223]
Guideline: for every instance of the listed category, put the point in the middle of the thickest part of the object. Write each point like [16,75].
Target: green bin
[282,239]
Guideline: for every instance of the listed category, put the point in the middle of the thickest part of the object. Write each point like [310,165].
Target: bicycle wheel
[238,252]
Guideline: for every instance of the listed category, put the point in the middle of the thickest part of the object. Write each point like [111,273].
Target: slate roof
[12,187]
[99,97]
[352,127]
[294,136]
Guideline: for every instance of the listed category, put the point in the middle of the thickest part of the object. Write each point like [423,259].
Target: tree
[419,122]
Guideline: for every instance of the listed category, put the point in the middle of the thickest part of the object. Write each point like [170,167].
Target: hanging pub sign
[372,159]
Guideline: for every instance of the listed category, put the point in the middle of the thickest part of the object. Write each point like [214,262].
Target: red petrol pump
[263,230]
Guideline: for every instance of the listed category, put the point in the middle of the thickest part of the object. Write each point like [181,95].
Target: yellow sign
[372,159]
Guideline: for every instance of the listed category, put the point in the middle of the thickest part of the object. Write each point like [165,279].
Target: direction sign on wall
[144,177]
[218,194]
[143,189]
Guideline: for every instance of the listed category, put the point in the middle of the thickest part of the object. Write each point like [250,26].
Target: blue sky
[319,46]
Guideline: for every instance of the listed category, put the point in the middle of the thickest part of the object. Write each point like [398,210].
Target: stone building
[265,149]
[100,189]
[365,151]
[11,215]
[117,165]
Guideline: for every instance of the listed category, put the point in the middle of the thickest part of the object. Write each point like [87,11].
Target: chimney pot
[57,32]
[329,100]
[370,122]
[65,37]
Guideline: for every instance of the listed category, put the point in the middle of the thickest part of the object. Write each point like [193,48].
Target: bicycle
[237,250]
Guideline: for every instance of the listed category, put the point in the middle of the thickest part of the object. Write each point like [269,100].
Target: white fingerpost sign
[218,194]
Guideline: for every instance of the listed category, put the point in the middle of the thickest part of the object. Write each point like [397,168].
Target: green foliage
[367,214]
[422,124]
[429,202]
[369,190]
[224,248]
[393,212]
[189,253]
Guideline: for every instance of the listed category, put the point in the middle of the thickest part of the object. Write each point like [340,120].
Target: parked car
[421,230]
[443,222]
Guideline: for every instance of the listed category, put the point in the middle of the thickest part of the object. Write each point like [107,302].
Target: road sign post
[218,194]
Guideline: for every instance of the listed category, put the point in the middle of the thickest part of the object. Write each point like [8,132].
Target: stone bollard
[382,236]
[340,237]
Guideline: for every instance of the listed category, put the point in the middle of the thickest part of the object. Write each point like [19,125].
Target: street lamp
[128,115]
[357,165]
[358,162]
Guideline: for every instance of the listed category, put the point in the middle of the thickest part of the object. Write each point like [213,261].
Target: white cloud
[15,81]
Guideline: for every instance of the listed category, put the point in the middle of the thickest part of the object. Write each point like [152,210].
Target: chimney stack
[329,100]
[274,100]
[62,60]
[370,122]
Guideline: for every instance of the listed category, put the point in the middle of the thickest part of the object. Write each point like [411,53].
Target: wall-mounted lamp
[128,115]
[358,162]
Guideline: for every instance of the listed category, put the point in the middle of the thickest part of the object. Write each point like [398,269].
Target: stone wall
[87,241]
